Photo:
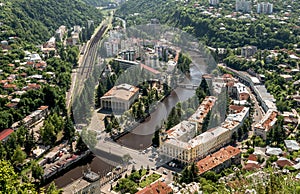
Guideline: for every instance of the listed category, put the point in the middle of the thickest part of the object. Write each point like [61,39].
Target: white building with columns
[120,97]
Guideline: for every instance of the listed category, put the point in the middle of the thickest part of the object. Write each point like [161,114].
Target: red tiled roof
[284,162]
[43,107]
[150,69]
[156,188]
[217,158]
[236,108]
[5,133]
[251,166]
[11,105]
[10,86]
[252,157]
[3,82]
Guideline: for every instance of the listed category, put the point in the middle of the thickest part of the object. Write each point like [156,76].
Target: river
[141,137]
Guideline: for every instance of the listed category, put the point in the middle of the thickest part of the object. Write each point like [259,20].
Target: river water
[141,137]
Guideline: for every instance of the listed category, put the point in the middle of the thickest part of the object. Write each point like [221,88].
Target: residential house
[157,187]
[5,134]
[291,145]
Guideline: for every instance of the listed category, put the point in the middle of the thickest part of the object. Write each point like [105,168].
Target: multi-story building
[213,2]
[202,111]
[219,160]
[120,97]
[112,48]
[60,32]
[243,5]
[240,91]
[266,124]
[248,51]
[264,7]
[129,54]
[182,144]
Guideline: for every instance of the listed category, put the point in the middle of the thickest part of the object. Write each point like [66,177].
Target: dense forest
[36,21]
[213,30]
[98,2]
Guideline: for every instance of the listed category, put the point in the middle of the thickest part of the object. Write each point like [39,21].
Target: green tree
[18,157]
[10,180]
[52,189]
[69,130]
[37,171]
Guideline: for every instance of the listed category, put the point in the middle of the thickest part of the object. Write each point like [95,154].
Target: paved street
[258,112]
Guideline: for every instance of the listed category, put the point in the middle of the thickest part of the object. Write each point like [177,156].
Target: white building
[248,51]
[180,142]
[60,32]
[213,2]
[266,124]
[120,97]
[112,48]
[266,8]
[243,5]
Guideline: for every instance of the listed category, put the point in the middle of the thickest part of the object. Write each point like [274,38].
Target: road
[258,112]
[107,148]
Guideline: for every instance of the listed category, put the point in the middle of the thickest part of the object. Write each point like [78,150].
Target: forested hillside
[218,27]
[97,2]
[36,20]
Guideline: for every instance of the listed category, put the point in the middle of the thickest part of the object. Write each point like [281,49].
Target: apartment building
[265,8]
[202,111]
[219,160]
[266,124]
[243,6]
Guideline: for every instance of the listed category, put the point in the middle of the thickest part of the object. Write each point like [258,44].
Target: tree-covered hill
[216,27]
[36,20]
[98,2]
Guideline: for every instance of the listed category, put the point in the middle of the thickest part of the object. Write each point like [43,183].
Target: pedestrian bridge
[188,86]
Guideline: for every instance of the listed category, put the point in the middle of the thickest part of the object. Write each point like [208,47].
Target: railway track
[91,54]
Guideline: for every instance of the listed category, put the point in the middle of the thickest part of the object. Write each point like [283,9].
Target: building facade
[266,124]
[264,7]
[120,97]
[243,5]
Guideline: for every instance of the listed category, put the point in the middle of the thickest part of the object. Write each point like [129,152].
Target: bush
[250,151]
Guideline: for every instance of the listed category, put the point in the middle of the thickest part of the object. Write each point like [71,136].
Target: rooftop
[292,145]
[203,109]
[122,92]
[156,188]
[217,158]
[267,121]
[5,133]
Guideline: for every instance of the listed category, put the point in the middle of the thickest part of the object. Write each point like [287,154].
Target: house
[271,151]
[156,188]
[32,86]
[5,134]
[251,166]
[120,97]
[12,105]
[286,77]
[10,86]
[291,145]
[282,162]
[289,118]
[219,160]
